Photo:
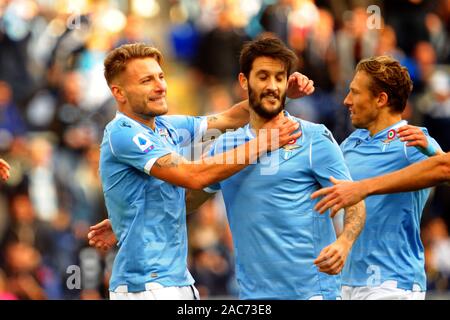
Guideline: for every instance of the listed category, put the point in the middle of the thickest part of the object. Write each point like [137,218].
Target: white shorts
[155,291]
[386,291]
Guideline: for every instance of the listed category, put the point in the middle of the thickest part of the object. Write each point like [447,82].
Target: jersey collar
[121,115]
[384,133]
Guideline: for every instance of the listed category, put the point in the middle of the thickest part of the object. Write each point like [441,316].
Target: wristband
[429,151]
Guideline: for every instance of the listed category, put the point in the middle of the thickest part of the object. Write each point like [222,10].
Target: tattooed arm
[332,258]
[199,174]
[235,117]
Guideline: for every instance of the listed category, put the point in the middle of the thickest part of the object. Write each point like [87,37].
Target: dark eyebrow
[262,71]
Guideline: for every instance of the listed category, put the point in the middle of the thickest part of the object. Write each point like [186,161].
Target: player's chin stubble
[258,107]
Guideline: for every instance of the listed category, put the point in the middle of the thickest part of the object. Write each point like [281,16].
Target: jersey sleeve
[136,149]
[188,127]
[415,155]
[326,158]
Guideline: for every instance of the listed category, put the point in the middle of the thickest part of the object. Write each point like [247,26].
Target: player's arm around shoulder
[199,174]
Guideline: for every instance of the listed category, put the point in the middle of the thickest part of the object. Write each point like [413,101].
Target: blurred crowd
[54,104]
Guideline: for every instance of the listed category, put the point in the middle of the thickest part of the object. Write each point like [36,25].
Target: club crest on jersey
[143,142]
[390,136]
[163,132]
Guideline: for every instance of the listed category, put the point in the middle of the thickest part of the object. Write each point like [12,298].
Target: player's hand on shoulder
[101,236]
[413,136]
[299,86]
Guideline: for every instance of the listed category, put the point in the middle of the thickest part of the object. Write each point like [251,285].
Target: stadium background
[54,104]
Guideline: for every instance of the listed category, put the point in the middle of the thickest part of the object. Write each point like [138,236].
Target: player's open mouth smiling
[157,99]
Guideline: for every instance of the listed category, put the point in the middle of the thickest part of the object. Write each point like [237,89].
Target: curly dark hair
[266,47]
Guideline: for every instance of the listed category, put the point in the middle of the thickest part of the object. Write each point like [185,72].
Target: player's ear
[118,93]
[383,99]
[243,81]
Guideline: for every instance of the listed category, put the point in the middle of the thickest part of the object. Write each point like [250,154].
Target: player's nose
[348,101]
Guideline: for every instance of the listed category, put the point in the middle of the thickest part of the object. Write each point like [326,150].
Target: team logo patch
[391,134]
[143,142]
[125,124]
[163,132]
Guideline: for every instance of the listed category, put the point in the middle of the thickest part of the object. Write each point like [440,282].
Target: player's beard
[257,106]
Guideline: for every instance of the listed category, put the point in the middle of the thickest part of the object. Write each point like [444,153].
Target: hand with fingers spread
[342,195]
[101,236]
[332,258]
[299,86]
[4,170]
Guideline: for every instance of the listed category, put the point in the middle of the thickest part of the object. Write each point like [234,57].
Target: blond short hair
[116,61]
[389,76]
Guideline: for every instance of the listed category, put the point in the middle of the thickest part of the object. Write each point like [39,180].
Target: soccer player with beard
[143,174]
[283,248]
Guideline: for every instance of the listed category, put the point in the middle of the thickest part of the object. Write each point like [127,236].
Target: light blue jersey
[276,233]
[148,215]
[389,247]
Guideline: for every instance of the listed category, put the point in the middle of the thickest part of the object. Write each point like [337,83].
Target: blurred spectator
[318,60]
[11,123]
[408,20]
[46,190]
[26,228]
[439,37]
[437,254]
[434,104]
[275,19]
[223,43]
[354,42]
[89,207]
[15,27]
[27,278]
[210,260]
[5,293]
[212,272]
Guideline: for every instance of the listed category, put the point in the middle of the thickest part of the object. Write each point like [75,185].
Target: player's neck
[149,122]
[256,121]
[383,122]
